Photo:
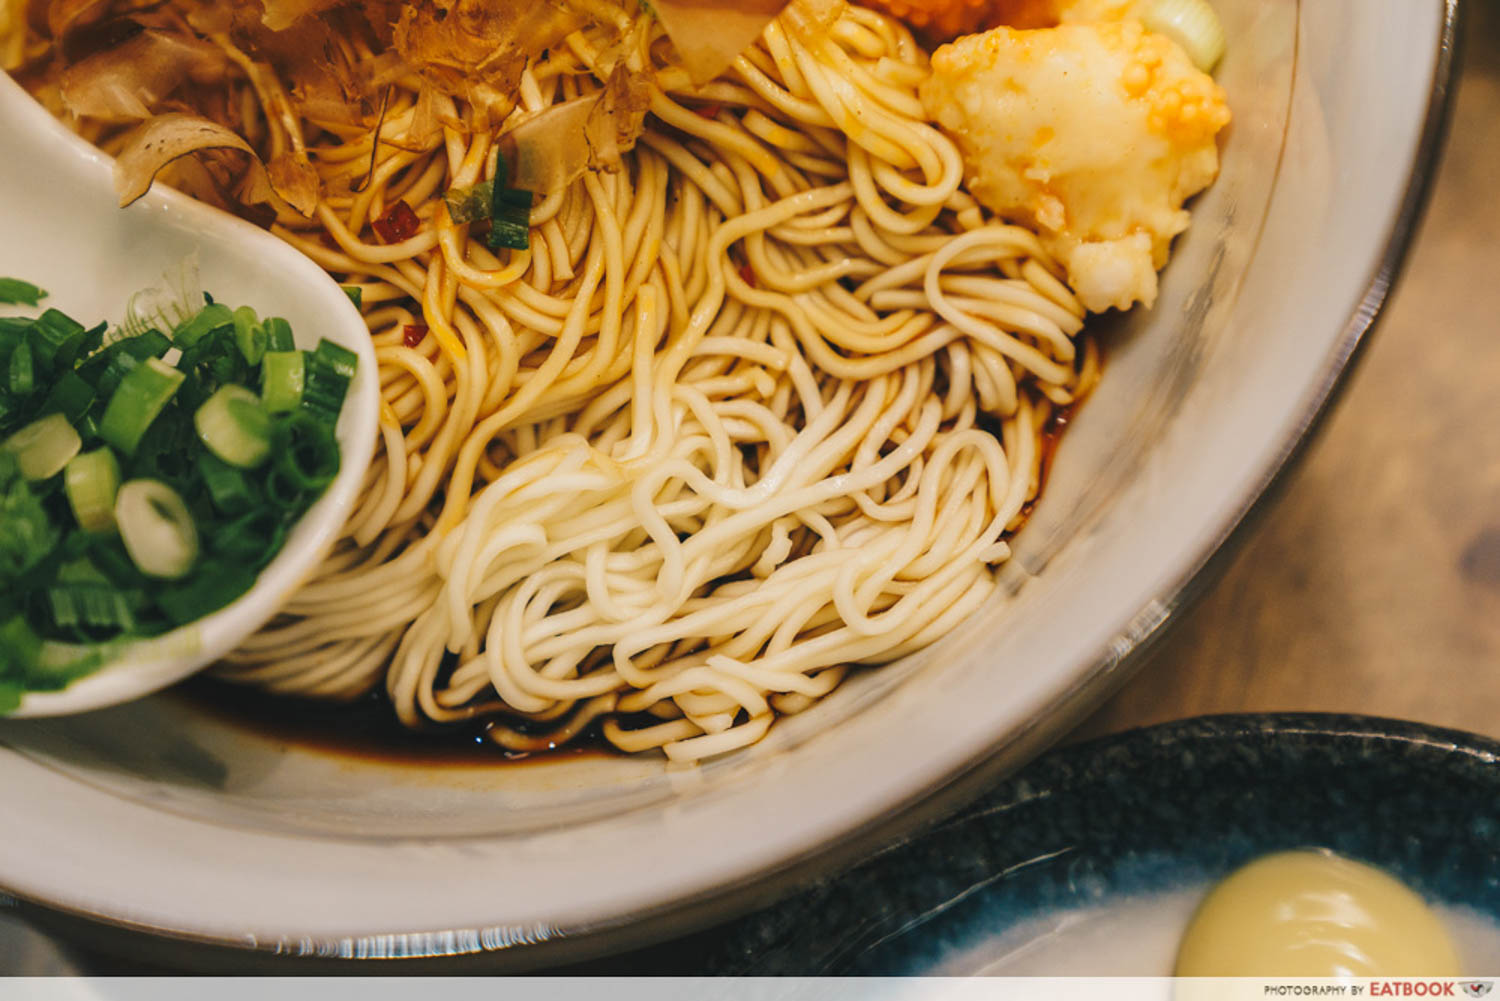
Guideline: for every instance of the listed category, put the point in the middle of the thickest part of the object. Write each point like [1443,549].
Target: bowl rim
[490,946]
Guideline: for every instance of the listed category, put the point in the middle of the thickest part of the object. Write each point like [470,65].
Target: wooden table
[1372,584]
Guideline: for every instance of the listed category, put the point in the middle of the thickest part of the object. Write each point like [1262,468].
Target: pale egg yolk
[1314,914]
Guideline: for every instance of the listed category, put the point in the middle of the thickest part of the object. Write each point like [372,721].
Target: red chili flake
[748,274]
[412,334]
[397,223]
[708,110]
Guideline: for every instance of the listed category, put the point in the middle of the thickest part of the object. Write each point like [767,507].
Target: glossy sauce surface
[366,729]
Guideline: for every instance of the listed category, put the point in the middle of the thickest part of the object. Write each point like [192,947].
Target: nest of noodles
[760,401]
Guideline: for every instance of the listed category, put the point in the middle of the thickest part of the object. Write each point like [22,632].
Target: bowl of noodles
[790,418]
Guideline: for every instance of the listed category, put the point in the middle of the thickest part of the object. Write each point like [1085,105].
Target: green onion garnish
[70,396]
[218,585]
[251,538]
[339,359]
[91,481]
[14,292]
[507,209]
[116,365]
[156,528]
[138,400]
[19,641]
[90,606]
[228,488]
[326,380]
[279,335]
[21,376]
[59,663]
[235,427]
[42,448]
[114,464]
[510,219]
[207,320]
[92,340]
[27,535]
[471,204]
[282,376]
[55,339]
[249,335]
[307,455]
[108,367]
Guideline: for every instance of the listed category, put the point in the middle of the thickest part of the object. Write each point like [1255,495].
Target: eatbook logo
[1477,988]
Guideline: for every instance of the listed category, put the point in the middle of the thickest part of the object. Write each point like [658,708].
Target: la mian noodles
[760,401]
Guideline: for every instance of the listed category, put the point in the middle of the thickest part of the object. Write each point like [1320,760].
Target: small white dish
[68,235]
[1091,861]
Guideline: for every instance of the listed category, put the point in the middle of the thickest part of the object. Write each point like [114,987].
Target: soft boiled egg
[1314,914]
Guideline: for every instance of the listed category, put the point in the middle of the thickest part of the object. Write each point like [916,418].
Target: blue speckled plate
[1091,860]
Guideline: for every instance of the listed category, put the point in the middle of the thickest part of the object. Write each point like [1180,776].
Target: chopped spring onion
[14,292]
[339,359]
[86,561]
[507,209]
[218,585]
[56,339]
[21,376]
[323,392]
[282,375]
[249,334]
[230,492]
[151,344]
[512,227]
[1192,24]
[167,452]
[93,340]
[93,606]
[278,334]
[470,204]
[137,401]
[91,481]
[235,427]
[282,492]
[59,663]
[510,219]
[356,295]
[108,555]
[19,641]
[13,330]
[250,539]
[156,528]
[307,454]
[108,367]
[116,367]
[198,326]
[326,380]
[27,535]
[42,448]
[70,396]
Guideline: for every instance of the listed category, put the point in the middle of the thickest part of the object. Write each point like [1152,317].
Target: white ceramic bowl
[67,234]
[172,822]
